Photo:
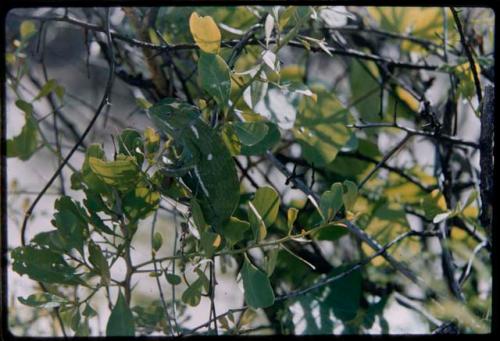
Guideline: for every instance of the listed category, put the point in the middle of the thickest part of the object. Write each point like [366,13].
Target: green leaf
[121,320]
[234,230]
[43,300]
[331,231]
[75,320]
[364,86]
[331,201]
[50,240]
[86,177]
[192,295]
[271,258]
[83,329]
[350,194]
[258,290]
[230,139]
[291,216]
[172,278]
[59,90]
[263,210]
[26,107]
[198,218]
[272,137]
[320,128]
[214,77]
[97,259]
[70,220]
[250,133]
[46,89]
[24,144]
[140,202]
[257,89]
[207,241]
[345,294]
[157,241]
[44,265]
[130,143]
[433,204]
[89,311]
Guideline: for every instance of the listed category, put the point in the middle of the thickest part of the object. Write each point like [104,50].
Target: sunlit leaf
[320,128]
[263,210]
[350,194]
[205,33]
[331,201]
[122,172]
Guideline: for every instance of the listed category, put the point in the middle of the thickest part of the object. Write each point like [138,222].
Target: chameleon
[205,163]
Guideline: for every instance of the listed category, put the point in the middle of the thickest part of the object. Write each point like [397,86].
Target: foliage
[240,106]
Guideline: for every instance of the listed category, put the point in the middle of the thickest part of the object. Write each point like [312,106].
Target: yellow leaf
[217,241]
[205,33]
[458,233]
[150,197]
[470,212]
[27,29]
[153,37]
[122,170]
[290,73]
[406,97]
[151,135]
[441,201]
[423,22]
[10,58]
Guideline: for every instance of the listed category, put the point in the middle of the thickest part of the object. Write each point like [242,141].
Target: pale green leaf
[258,290]
[214,77]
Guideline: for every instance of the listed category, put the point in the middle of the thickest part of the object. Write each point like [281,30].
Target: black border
[6,5]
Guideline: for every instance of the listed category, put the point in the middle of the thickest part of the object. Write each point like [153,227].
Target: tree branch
[411,131]
[486,141]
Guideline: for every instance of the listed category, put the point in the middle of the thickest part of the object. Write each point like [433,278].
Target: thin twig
[103,103]
[468,54]
[384,159]
[349,225]
[158,284]
[344,52]
[466,273]
[411,131]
